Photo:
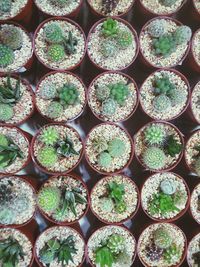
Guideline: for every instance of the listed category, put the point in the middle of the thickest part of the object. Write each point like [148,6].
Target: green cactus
[60,3]
[108,48]
[54,110]
[168,2]
[6,56]
[49,136]
[177,97]
[116,147]
[11,36]
[116,244]
[172,146]
[99,145]
[53,33]
[121,207]
[119,92]
[124,38]
[49,198]
[109,107]
[3,140]
[197,166]
[162,238]
[180,198]
[102,92]
[5,5]
[156,28]
[68,95]
[161,103]
[164,45]
[6,112]
[104,160]
[47,156]
[168,186]
[107,205]
[182,35]
[163,85]
[7,216]
[172,254]
[154,135]
[110,27]
[48,92]
[56,52]
[154,158]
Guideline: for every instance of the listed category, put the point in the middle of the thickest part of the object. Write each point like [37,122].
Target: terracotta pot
[37,88]
[190,210]
[132,30]
[179,215]
[63,19]
[76,177]
[192,61]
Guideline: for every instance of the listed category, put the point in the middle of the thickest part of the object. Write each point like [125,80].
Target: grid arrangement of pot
[99,130]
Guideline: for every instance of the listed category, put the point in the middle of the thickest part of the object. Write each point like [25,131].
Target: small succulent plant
[154,135]
[49,136]
[48,92]
[53,33]
[168,186]
[116,192]
[109,107]
[172,147]
[47,156]
[56,52]
[116,147]
[110,28]
[70,44]
[162,238]
[119,92]
[116,244]
[154,158]
[172,254]
[6,56]
[163,85]
[164,45]
[5,6]
[54,110]
[182,34]
[180,198]
[177,97]
[153,252]
[156,28]
[6,112]
[109,5]
[107,204]
[66,148]
[102,92]
[49,198]
[161,103]
[108,48]
[68,95]
[197,166]
[99,145]
[11,37]
[104,257]
[104,160]
[168,2]
[124,39]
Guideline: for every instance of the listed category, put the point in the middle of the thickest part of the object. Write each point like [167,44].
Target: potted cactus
[60,96]
[56,148]
[59,44]
[165,196]
[16,100]
[195,103]
[112,44]
[16,248]
[194,59]
[195,204]
[113,96]
[108,148]
[59,246]
[110,7]
[112,246]
[165,94]
[193,252]
[162,244]
[17,198]
[15,48]
[164,42]
[59,7]
[114,199]
[159,146]
[14,149]
[192,153]
[63,199]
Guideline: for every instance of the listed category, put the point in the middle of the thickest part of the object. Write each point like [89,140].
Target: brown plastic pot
[132,30]
[190,210]
[122,221]
[149,64]
[56,19]
[43,169]
[192,61]
[181,154]
[51,228]
[37,89]
[186,82]
[179,215]
[127,164]
[183,255]
[126,76]
[66,223]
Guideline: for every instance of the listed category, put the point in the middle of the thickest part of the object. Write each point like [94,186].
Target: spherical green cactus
[177,97]
[56,52]
[6,56]
[107,204]
[154,158]
[108,48]
[48,92]
[164,45]
[116,243]
[53,33]
[3,140]
[168,186]
[6,112]
[168,2]
[47,256]
[49,198]
[156,28]
[124,39]
[121,207]
[47,156]
[162,238]
[104,160]
[11,36]
[99,145]
[161,103]
[49,136]
[102,92]
[154,134]
[68,95]
[7,216]
[119,92]
[5,5]
[197,166]
[109,107]
[116,147]
[182,35]
[54,110]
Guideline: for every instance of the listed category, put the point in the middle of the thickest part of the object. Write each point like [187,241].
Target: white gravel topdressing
[194,203]
[17,6]
[101,236]
[197,4]
[130,198]
[147,95]
[196,47]
[122,112]
[147,50]
[55,10]
[194,247]
[146,237]
[152,186]
[23,241]
[190,151]
[58,80]
[61,233]
[22,55]
[70,61]
[156,7]
[120,60]
[195,102]
[19,139]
